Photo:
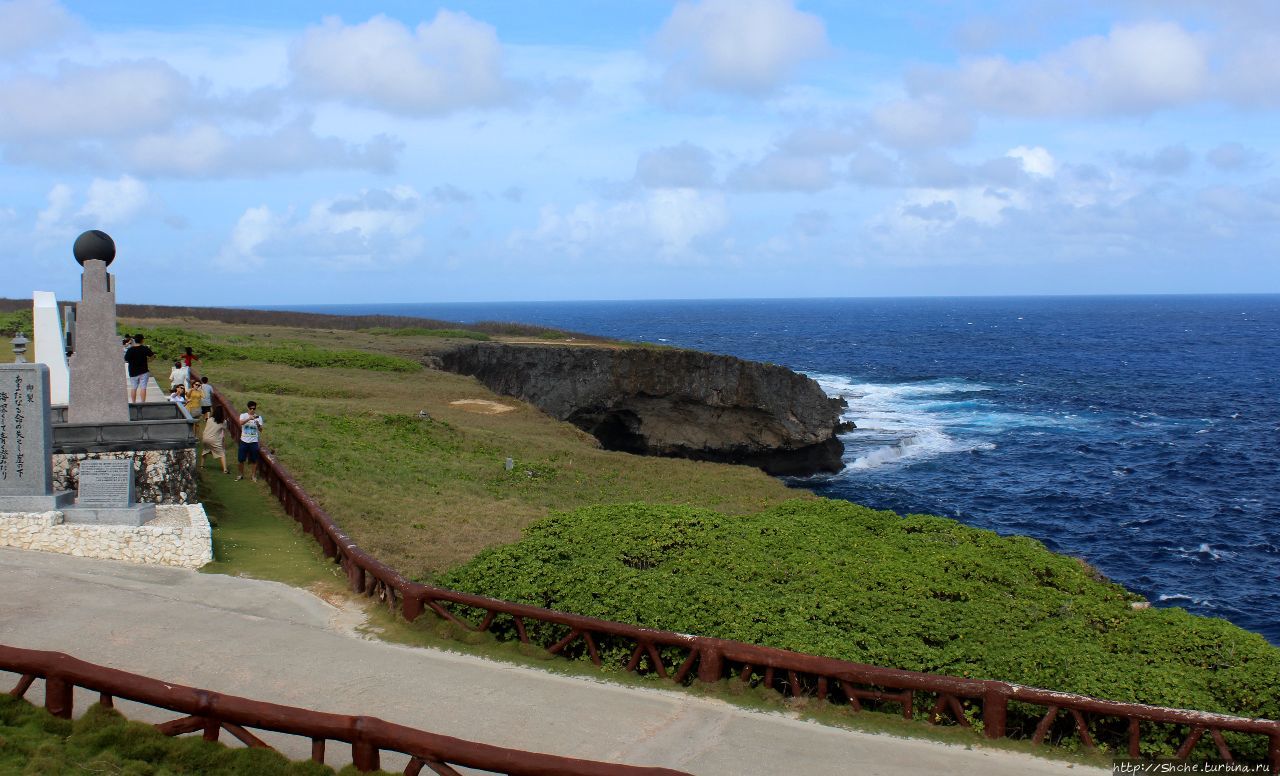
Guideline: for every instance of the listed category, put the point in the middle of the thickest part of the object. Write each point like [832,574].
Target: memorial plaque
[105,484]
[25,435]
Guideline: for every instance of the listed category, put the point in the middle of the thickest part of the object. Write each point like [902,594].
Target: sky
[284,153]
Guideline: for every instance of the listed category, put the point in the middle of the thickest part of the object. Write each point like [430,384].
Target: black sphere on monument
[94,245]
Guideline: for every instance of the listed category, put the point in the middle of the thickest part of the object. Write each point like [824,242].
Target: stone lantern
[19,348]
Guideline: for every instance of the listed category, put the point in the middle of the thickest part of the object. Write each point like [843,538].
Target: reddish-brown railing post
[364,754]
[995,709]
[710,665]
[1275,752]
[58,698]
[411,606]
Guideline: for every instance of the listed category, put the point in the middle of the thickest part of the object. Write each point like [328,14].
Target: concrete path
[272,642]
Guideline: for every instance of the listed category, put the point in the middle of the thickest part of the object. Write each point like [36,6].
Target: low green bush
[14,322]
[32,741]
[918,592]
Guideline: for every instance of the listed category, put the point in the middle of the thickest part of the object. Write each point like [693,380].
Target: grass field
[428,495]
[253,537]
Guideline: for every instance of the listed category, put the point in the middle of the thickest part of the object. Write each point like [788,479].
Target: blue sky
[329,152]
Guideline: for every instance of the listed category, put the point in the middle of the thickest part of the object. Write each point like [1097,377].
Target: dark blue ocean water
[1141,434]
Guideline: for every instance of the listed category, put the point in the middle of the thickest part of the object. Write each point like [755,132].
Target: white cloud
[207,150]
[1035,160]
[114,202]
[1235,156]
[938,210]
[781,171]
[741,46]
[80,101]
[920,123]
[1135,69]
[873,168]
[1251,71]
[146,118]
[26,25]
[1236,204]
[370,228]
[667,222]
[1170,160]
[396,212]
[106,203]
[255,226]
[60,202]
[679,166]
[452,63]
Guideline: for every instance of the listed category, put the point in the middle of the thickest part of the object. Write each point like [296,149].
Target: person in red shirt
[189,360]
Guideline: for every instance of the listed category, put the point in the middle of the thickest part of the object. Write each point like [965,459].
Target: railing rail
[792,673]
[213,713]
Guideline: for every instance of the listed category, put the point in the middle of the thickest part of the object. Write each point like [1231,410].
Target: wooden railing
[683,657]
[212,713]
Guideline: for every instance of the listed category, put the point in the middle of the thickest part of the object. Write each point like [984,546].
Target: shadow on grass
[253,537]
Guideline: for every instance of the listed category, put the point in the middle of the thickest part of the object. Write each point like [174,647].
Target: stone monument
[98,392]
[106,494]
[26,441]
[51,348]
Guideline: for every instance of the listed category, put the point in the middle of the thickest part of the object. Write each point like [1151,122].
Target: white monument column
[50,347]
[98,390]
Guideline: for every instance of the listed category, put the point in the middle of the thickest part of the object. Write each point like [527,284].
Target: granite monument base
[37,502]
[131,515]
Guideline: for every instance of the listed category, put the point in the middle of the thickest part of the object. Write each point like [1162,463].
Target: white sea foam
[914,421]
[1204,552]
[1185,597]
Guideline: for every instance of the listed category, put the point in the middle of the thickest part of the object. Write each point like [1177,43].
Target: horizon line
[289,305]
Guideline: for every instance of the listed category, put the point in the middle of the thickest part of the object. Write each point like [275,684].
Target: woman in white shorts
[215,429]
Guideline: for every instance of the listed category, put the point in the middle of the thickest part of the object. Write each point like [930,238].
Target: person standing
[189,360]
[206,397]
[195,397]
[179,375]
[139,371]
[211,438]
[250,440]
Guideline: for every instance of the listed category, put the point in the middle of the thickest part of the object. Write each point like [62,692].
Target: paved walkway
[272,642]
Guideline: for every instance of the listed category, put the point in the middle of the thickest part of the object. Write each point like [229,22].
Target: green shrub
[918,592]
[14,322]
[32,741]
[168,343]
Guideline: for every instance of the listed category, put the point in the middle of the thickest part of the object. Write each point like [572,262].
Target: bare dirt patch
[482,406]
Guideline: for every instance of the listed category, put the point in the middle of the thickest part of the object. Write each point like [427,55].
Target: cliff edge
[669,402]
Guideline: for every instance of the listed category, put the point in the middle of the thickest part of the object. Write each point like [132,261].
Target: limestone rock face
[669,402]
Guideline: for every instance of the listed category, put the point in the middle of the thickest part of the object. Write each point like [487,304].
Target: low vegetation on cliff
[918,592]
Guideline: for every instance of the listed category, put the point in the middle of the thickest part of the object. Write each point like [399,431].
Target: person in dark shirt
[139,371]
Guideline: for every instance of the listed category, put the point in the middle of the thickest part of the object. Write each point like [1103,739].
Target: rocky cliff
[669,402]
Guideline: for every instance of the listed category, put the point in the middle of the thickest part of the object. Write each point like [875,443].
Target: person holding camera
[250,438]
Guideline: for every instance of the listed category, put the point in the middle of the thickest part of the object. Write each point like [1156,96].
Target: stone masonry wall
[159,476]
[179,536]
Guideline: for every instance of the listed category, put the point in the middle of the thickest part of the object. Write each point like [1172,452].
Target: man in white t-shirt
[250,437]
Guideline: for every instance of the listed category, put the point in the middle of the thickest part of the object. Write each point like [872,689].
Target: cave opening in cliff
[615,429]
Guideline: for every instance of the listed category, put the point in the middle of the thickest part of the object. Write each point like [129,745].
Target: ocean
[1141,434]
